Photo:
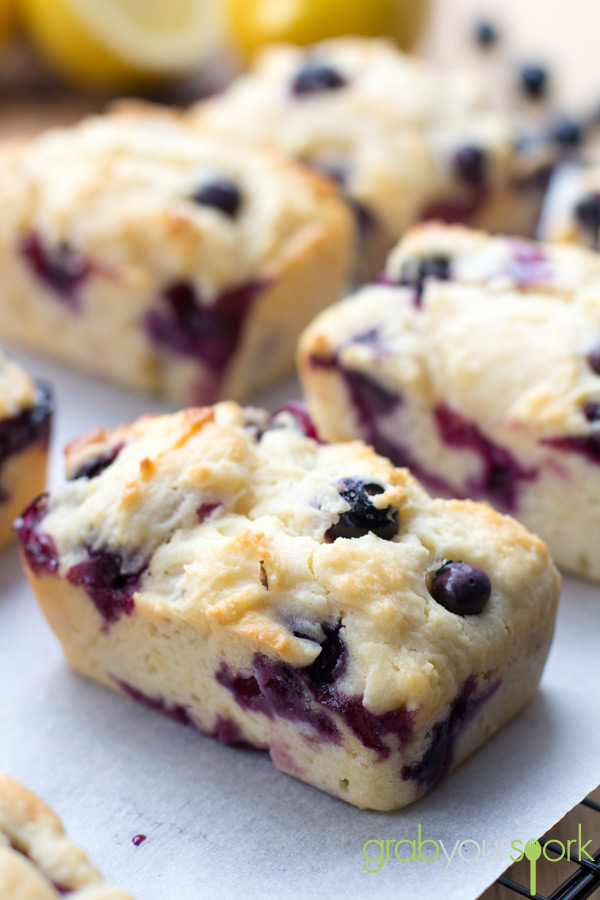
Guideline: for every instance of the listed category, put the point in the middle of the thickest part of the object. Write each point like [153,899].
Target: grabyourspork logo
[377,853]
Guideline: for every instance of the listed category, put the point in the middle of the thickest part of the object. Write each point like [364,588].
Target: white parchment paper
[223,822]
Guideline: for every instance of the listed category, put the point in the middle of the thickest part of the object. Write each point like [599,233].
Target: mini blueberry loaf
[477,365]
[25,414]
[37,860]
[405,142]
[572,207]
[135,248]
[234,573]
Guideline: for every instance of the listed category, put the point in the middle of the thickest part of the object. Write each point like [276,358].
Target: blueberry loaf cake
[228,569]
[135,248]
[37,860]
[25,413]
[404,142]
[478,365]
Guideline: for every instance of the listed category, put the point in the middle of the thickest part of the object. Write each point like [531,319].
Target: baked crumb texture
[37,860]
[25,415]
[227,569]
[137,249]
[478,365]
[404,142]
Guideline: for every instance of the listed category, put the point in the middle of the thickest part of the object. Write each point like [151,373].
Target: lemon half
[119,42]
[253,23]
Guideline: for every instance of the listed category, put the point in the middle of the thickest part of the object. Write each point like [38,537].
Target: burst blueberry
[222,194]
[461,588]
[316,77]
[363,517]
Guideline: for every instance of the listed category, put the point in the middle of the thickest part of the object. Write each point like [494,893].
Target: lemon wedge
[119,42]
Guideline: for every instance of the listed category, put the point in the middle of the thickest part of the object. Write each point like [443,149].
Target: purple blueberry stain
[457,210]
[461,588]
[529,265]
[278,689]
[108,581]
[228,732]
[301,416]
[586,445]
[62,269]
[205,511]
[363,517]
[501,474]
[175,711]
[98,464]
[439,755]
[209,333]
[39,548]
[29,427]
[317,77]
[225,730]
[470,165]
[371,402]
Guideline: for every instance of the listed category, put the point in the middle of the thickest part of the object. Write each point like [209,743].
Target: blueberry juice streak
[440,752]
[31,426]
[108,581]
[500,476]
[373,403]
[225,730]
[61,269]
[211,334]
[39,548]
[98,464]
[310,696]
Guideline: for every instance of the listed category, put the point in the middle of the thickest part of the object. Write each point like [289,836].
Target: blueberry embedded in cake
[25,416]
[37,860]
[165,259]
[226,568]
[481,375]
[572,208]
[404,142]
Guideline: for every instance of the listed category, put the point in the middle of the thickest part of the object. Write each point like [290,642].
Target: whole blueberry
[461,588]
[568,133]
[469,164]
[315,77]
[363,517]
[587,212]
[534,80]
[486,33]
[222,193]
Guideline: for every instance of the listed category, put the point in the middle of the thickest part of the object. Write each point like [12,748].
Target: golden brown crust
[36,858]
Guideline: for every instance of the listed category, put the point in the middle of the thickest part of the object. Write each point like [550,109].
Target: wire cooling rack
[582,883]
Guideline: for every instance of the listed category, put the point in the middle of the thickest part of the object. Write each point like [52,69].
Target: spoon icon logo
[533,851]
